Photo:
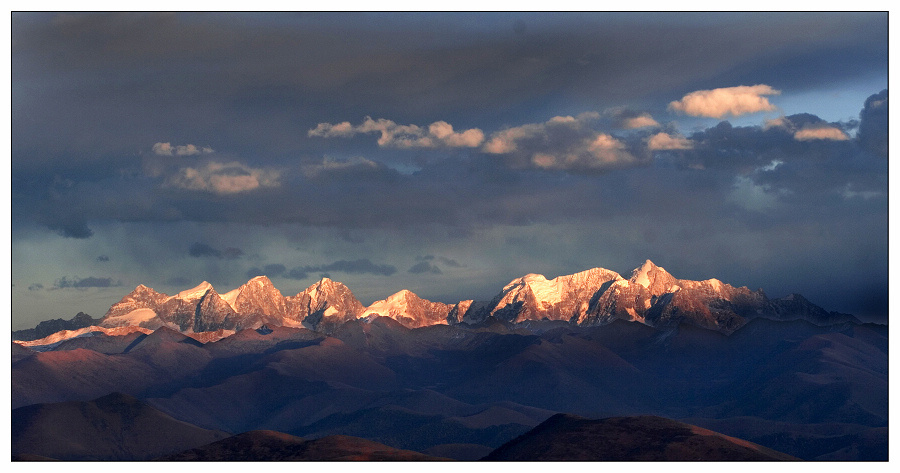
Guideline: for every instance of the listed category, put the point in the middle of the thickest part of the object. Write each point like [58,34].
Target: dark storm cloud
[873,125]
[424,267]
[158,63]
[202,250]
[71,229]
[359,266]
[78,283]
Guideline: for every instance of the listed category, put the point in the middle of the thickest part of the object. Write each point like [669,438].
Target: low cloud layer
[726,101]
[79,283]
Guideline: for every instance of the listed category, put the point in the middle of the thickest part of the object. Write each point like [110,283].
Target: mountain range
[318,375]
[594,297]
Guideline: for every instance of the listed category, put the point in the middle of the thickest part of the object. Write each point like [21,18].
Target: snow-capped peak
[642,275]
[194,293]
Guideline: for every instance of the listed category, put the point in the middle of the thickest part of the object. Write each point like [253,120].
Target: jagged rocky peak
[257,295]
[142,297]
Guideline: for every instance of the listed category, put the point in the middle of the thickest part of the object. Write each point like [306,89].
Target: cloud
[359,266]
[87,282]
[873,124]
[202,250]
[644,120]
[77,230]
[224,178]
[36,287]
[561,143]
[820,133]
[166,149]
[332,165]
[734,101]
[424,267]
[806,127]
[630,120]
[103,258]
[437,134]
[664,141]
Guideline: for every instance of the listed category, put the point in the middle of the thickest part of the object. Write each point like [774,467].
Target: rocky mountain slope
[114,427]
[461,390]
[643,438]
[269,445]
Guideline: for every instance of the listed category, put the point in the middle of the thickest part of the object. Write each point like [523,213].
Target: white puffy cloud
[444,131]
[166,149]
[641,121]
[439,133]
[223,178]
[820,133]
[664,141]
[734,101]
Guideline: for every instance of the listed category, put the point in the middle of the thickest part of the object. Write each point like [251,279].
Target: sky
[446,153]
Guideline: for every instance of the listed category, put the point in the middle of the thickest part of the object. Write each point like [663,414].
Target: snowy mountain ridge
[592,297]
